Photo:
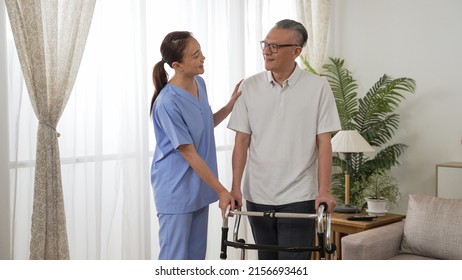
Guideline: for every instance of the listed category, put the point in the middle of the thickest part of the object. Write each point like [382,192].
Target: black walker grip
[224,247]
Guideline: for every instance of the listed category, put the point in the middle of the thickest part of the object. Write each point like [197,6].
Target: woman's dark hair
[172,50]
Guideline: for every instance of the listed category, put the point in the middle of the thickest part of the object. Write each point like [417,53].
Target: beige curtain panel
[315,15]
[50,37]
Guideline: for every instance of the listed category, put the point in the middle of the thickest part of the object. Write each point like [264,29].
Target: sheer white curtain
[5,217]
[107,140]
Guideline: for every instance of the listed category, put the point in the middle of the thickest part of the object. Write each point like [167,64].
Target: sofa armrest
[375,244]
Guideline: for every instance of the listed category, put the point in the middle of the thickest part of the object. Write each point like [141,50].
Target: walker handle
[322,209]
[323,204]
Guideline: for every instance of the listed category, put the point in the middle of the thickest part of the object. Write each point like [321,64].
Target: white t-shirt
[283,123]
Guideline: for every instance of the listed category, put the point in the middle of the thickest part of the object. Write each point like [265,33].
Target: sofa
[431,230]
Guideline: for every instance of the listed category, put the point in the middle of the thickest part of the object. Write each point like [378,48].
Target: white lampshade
[350,141]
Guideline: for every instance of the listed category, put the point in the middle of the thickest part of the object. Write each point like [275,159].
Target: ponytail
[172,49]
[160,79]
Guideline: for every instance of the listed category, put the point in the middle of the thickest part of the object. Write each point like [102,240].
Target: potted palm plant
[380,191]
[373,115]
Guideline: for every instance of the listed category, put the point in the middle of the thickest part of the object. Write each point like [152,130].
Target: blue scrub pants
[183,236]
[291,232]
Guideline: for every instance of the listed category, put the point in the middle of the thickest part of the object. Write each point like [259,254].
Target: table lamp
[348,142]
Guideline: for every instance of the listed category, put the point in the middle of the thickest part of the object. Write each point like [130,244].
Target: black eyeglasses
[274,48]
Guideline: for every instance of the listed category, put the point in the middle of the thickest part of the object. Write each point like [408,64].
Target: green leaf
[374,116]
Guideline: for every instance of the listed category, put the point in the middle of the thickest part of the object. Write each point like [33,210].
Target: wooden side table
[341,227]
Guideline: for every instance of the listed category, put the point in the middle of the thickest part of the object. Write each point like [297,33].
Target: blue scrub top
[179,118]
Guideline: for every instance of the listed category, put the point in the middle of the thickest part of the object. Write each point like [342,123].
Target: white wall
[5,236]
[419,39]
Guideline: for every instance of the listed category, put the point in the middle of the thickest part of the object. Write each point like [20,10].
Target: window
[107,139]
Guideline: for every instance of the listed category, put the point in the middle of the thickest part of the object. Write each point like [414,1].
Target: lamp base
[346,208]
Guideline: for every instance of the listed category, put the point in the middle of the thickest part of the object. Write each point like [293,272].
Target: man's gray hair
[294,26]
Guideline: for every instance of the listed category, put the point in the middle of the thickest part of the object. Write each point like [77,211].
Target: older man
[283,123]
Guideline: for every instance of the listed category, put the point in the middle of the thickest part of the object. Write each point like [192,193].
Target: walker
[323,230]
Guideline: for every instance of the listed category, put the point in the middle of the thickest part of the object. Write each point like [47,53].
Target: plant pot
[376,206]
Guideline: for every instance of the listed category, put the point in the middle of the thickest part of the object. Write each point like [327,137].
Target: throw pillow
[433,227]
